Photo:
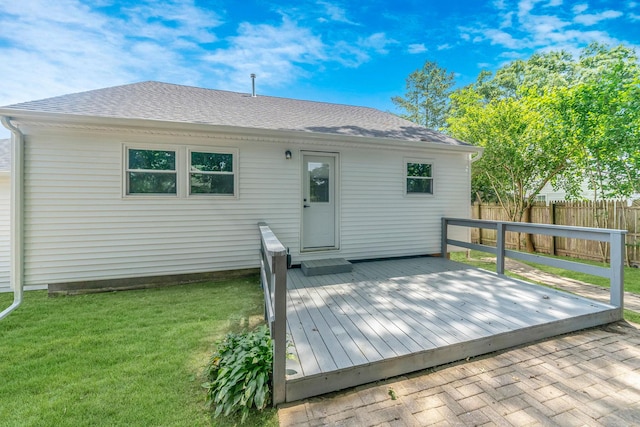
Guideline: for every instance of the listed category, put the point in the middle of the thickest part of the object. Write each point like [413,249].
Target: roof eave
[16,114]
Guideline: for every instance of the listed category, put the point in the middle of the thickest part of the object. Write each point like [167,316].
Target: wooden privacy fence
[611,215]
[273,277]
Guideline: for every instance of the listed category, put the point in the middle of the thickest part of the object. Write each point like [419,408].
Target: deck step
[318,267]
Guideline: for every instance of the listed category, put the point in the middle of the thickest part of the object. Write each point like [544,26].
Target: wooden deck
[388,318]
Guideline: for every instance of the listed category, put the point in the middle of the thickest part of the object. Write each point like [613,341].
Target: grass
[631,275]
[120,359]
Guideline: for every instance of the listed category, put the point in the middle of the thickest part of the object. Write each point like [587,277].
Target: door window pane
[318,182]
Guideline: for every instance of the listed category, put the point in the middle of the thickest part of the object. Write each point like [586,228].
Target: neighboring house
[153,179]
[5,212]
[549,195]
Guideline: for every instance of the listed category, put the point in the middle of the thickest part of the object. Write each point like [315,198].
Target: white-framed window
[418,176]
[212,172]
[180,171]
[151,171]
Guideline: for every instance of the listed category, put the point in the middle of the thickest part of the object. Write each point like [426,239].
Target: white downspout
[17,209]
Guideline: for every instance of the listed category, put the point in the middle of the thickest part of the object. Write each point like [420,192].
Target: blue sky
[341,51]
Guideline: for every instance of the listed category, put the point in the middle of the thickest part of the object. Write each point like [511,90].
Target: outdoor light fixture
[287,154]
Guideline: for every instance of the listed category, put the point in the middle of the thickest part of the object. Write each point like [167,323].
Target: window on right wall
[418,177]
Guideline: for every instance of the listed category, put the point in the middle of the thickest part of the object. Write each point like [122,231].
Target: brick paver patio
[588,378]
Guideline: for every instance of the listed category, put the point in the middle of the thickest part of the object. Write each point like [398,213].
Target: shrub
[238,374]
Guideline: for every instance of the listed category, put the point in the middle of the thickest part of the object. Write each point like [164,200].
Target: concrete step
[318,267]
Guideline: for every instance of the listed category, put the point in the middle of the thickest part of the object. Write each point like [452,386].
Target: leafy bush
[238,374]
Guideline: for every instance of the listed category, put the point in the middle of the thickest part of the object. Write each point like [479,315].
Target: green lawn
[631,275]
[119,359]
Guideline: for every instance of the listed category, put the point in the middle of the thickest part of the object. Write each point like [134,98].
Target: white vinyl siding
[5,218]
[79,227]
[378,220]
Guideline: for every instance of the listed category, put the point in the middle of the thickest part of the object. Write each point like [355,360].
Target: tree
[601,111]
[554,119]
[521,152]
[507,114]
[426,101]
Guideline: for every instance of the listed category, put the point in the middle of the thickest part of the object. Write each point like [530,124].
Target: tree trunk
[528,237]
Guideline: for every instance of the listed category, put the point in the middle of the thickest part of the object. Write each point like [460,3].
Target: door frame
[336,198]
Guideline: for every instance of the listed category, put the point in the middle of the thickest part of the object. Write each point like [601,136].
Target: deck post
[443,241]
[500,243]
[617,270]
[273,275]
[280,329]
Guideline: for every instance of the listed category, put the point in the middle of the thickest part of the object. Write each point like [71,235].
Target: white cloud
[579,8]
[590,19]
[507,20]
[65,46]
[634,17]
[377,42]
[335,13]
[445,46]
[276,54]
[501,38]
[529,30]
[525,7]
[499,4]
[415,48]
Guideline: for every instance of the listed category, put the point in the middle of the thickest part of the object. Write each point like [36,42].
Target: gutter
[477,157]
[17,212]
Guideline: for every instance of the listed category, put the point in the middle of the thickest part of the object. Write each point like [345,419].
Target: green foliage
[239,373]
[521,152]
[553,119]
[426,100]
[600,112]
[152,159]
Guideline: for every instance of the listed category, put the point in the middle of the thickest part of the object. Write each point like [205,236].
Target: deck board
[396,316]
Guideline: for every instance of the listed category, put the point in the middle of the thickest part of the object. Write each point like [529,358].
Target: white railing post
[617,269]
[500,246]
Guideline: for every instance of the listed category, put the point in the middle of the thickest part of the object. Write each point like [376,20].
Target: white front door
[319,201]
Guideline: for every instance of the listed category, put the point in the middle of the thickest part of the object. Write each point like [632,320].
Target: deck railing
[273,278]
[615,238]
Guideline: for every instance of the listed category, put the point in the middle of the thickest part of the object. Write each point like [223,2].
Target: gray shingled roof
[185,104]
[5,154]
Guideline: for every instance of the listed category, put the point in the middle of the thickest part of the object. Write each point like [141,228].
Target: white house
[155,179]
[549,195]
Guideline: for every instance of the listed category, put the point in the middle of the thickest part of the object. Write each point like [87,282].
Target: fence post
[617,270]
[280,328]
[500,246]
[552,221]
